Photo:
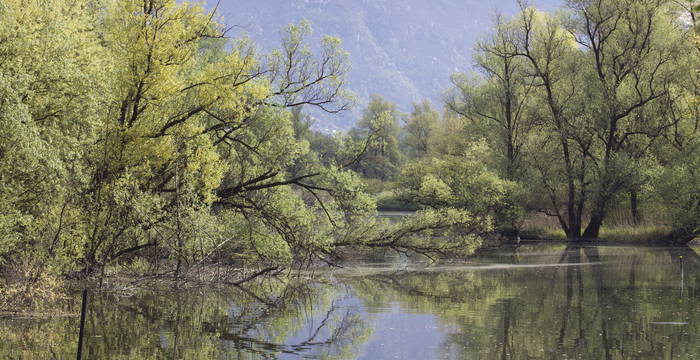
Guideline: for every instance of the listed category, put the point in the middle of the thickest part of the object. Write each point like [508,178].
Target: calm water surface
[529,302]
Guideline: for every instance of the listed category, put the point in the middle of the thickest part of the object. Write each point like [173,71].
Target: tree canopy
[131,126]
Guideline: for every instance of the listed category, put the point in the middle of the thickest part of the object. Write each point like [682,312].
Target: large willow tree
[579,102]
[134,127]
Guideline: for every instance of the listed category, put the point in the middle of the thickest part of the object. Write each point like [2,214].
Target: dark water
[533,302]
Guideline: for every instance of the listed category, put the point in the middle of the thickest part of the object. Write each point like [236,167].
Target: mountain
[403,50]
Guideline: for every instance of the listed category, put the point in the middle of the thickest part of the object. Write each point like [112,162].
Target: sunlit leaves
[132,131]
[461,181]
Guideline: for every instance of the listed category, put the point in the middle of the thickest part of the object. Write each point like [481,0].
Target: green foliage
[678,186]
[132,130]
[51,87]
[417,130]
[461,181]
[380,125]
[561,103]
[435,233]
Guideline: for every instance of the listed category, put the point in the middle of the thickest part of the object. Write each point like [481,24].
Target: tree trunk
[634,207]
[598,213]
[178,266]
[593,228]
[573,231]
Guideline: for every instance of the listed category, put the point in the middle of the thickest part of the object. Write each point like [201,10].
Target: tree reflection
[310,319]
[607,307]
[538,302]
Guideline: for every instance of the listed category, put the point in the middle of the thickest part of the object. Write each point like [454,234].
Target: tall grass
[619,226]
[539,225]
[645,233]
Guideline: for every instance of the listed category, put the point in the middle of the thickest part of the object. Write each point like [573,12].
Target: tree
[49,116]
[381,158]
[497,105]
[678,150]
[193,126]
[417,130]
[144,136]
[461,181]
[596,73]
[633,47]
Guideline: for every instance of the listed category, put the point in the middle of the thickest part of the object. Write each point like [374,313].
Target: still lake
[532,301]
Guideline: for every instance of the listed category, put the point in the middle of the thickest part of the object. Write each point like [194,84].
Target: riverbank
[620,229]
[22,294]
[618,234]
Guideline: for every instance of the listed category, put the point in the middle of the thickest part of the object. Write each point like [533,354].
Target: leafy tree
[678,151]
[417,130]
[628,43]
[596,72]
[496,104]
[461,181]
[140,131]
[49,117]
[381,158]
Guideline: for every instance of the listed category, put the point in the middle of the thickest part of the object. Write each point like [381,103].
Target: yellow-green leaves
[131,127]
[461,181]
[50,91]
[299,76]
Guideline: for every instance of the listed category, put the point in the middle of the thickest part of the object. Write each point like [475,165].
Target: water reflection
[616,303]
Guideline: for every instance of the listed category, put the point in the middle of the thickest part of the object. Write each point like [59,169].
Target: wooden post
[83,312]
[680,260]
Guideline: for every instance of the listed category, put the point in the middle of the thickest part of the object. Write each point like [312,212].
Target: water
[530,302]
